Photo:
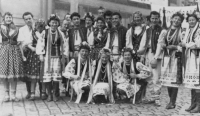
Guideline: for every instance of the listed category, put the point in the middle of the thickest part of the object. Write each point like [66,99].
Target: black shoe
[170,106]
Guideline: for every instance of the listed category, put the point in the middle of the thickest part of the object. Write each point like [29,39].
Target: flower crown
[105,51]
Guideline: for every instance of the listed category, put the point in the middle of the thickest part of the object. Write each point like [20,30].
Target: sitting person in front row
[102,86]
[126,76]
[78,71]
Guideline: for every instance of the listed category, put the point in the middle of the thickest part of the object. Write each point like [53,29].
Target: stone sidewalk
[65,108]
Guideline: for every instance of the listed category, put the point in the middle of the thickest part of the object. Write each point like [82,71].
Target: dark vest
[121,35]
[83,35]
[153,35]
[55,48]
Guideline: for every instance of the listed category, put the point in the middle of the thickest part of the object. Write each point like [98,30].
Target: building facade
[43,8]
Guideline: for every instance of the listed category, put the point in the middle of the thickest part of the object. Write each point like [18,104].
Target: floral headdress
[105,51]
[84,45]
[54,17]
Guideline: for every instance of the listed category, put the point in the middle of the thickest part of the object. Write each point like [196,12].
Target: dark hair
[179,15]
[191,15]
[53,17]
[27,13]
[101,19]
[101,8]
[154,13]
[89,15]
[107,13]
[84,47]
[66,15]
[148,18]
[12,25]
[40,24]
[116,13]
[75,14]
[127,50]
[7,13]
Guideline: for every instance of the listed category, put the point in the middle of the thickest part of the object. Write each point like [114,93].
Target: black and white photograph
[99,57]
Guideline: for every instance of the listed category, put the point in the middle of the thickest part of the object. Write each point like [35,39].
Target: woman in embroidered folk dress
[51,52]
[99,37]
[135,33]
[11,56]
[171,70]
[32,70]
[133,39]
[126,73]
[102,86]
[191,43]
[78,70]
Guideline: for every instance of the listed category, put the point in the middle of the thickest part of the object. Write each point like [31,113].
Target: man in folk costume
[147,48]
[25,35]
[77,35]
[63,29]
[108,19]
[51,55]
[117,40]
[127,74]
[101,90]
[89,21]
[192,43]
[79,71]
[171,69]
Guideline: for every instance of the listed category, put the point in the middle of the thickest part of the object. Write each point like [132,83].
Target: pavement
[64,108]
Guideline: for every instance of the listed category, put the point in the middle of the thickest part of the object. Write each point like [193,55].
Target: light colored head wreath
[105,51]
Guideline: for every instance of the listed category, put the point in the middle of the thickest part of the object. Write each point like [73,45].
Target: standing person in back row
[26,36]
[11,54]
[147,50]
[77,35]
[117,39]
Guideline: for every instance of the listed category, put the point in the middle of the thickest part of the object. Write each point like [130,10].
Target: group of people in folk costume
[103,61]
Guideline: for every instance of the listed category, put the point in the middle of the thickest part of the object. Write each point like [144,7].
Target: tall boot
[44,94]
[169,89]
[197,108]
[28,88]
[49,90]
[193,100]
[172,104]
[40,88]
[55,91]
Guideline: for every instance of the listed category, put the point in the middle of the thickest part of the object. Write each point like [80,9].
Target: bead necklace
[169,38]
[53,40]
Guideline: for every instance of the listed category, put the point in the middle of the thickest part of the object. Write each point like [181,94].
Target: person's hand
[77,77]
[133,76]
[41,57]
[172,47]
[182,44]
[142,60]
[126,76]
[24,58]
[33,49]
[163,45]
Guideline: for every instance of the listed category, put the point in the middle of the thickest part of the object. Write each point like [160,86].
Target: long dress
[171,69]
[192,39]
[11,66]
[51,47]
[33,62]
